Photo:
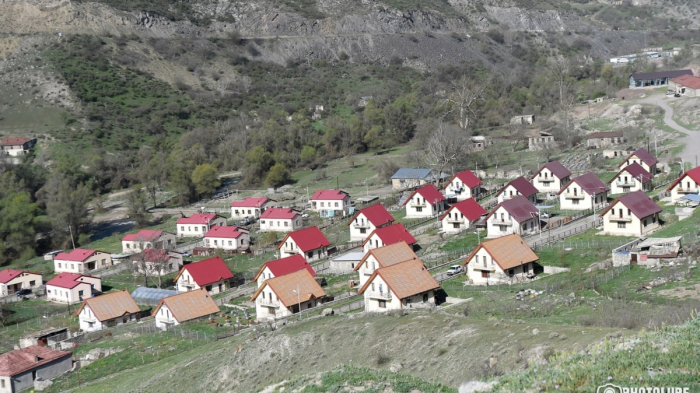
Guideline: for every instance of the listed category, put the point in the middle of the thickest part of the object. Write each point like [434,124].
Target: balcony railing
[620,219]
[417,204]
[269,303]
[455,220]
[545,181]
[380,295]
[289,250]
[502,221]
[688,190]
[187,284]
[574,196]
[360,225]
[625,183]
[488,267]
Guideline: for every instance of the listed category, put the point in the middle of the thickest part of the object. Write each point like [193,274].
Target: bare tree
[462,97]
[444,148]
[152,263]
[560,68]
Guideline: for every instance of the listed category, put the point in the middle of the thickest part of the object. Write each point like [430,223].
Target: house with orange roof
[16,146]
[21,367]
[633,214]
[463,185]
[366,220]
[286,295]
[211,274]
[426,201]
[148,238]
[687,85]
[687,183]
[282,266]
[250,207]
[72,288]
[403,285]
[507,259]
[12,281]
[112,309]
[388,235]
[382,257]
[310,243]
[461,215]
[81,260]
[183,307]
[230,239]
[326,201]
[280,219]
[198,224]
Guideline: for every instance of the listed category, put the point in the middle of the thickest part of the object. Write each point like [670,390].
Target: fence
[420,231]
[535,242]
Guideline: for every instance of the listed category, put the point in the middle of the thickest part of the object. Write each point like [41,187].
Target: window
[59,265]
[574,201]
[286,224]
[189,229]
[80,293]
[336,204]
[321,204]
[262,222]
[207,240]
[653,219]
[645,223]
[419,209]
[216,242]
[230,243]
[425,297]
[382,303]
[621,225]
[629,212]
[456,225]
[182,228]
[128,245]
[32,283]
[363,230]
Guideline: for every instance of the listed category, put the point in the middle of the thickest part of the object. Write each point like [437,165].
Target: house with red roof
[407,284]
[229,239]
[463,185]
[308,242]
[16,146]
[12,281]
[280,219]
[631,178]
[516,215]
[519,186]
[461,215]
[282,266]
[687,183]
[581,192]
[643,158]
[197,225]
[81,260]
[211,274]
[632,214]
[250,207]
[21,367]
[426,201]
[687,85]
[156,262]
[72,288]
[327,201]
[366,220]
[148,238]
[282,296]
[388,235]
[550,177]
[112,309]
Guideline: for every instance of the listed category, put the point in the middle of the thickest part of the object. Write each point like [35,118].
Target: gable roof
[429,193]
[375,214]
[470,208]
[202,219]
[688,81]
[282,266]
[147,235]
[22,360]
[9,274]
[207,271]
[285,288]
[329,195]
[155,254]
[413,173]
[608,134]
[110,306]
[519,207]
[404,279]
[68,280]
[389,255]
[280,213]
[223,232]
[14,141]
[635,170]
[522,185]
[307,239]
[556,168]
[693,174]
[508,251]
[467,177]
[251,202]
[76,255]
[661,74]
[589,182]
[392,234]
[188,305]
[638,202]
[643,155]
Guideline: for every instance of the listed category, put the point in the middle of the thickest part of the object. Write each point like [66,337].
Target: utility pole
[71,236]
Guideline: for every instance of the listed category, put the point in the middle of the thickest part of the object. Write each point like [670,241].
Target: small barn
[651,79]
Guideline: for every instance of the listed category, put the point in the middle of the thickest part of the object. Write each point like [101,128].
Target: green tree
[308,154]
[278,176]
[67,208]
[17,233]
[136,202]
[205,179]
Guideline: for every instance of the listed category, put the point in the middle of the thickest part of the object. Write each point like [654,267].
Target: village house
[330,203]
[12,281]
[632,214]
[631,178]
[386,236]
[112,309]
[156,262]
[517,215]
[461,215]
[643,158]
[603,140]
[618,152]
[21,367]
[72,288]
[366,220]
[183,307]
[507,259]
[198,224]
[406,284]
[462,186]
[522,120]
[551,177]
[282,266]
[308,242]
[581,192]
[250,207]
[424,202]
[519,186]
[285,295]
[383,257]
[687,85]
[654,79]
[687,183]
[278,219]
[16,146]
[212,274]
[229,239]
[81,260]
[148,238]
[478,143]
[539,140]
[345,263]
[411,177]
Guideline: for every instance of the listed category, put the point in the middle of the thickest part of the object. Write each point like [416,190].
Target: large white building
[330,202]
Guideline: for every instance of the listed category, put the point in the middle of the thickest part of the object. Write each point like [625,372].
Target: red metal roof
[250,202]
[643,155]
[282,266]
[8,274]
[467,177]
[588,182]
[207,271]
[279,213]
[471,209]
[392,234]
[638,202]
[14,141]
[77,255]
[329,195]
[429,192]
[147,235]
[688,81]
[522,185]
[307,239]
[635,170]
[376,214]
[202,219]
[224,232]
[519,207]
[556,168]
[67,280]
[693,174]
[22,360]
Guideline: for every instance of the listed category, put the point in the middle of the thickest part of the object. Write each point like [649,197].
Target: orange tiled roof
[508,251]
[285,288]
[111,305]
[405,279]
[390,255]
[189,305]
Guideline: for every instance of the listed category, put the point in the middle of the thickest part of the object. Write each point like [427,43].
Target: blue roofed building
[406,178]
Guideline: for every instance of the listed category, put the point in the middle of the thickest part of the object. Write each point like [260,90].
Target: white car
[454,269]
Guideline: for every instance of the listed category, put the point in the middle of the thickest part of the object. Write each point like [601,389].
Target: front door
[634,259]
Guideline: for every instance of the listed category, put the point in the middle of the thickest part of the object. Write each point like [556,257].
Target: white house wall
[280,225]
[684,187]
[360,228]
[546,181]
[496,227]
